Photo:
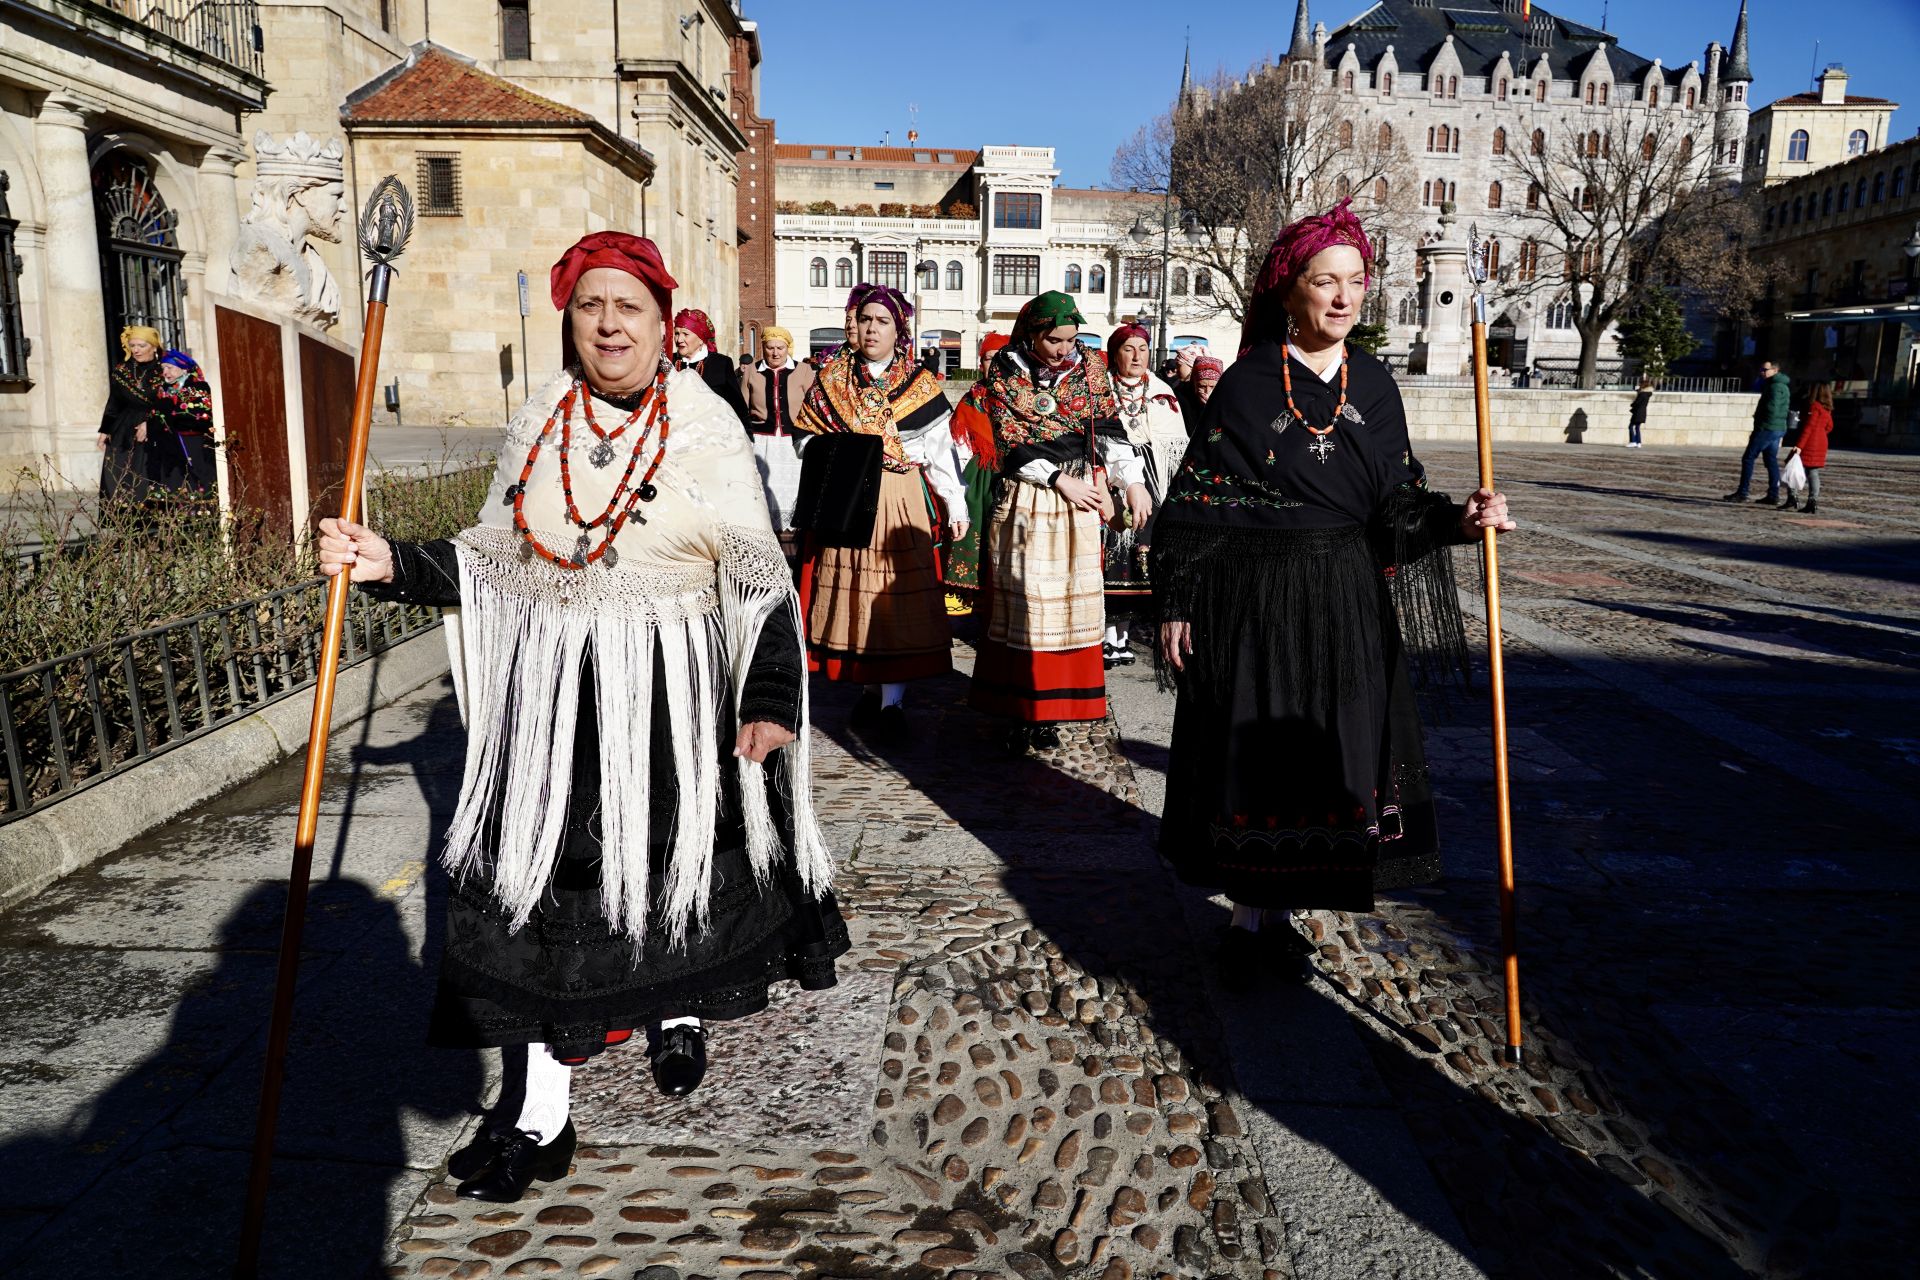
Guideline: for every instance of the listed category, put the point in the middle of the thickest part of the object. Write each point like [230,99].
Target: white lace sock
[893,694]
[1122,636]
[1112,638]
[679,1022]
[549,1090]
[1245,917]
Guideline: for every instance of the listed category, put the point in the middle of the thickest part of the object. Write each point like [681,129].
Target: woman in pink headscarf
[1300,568]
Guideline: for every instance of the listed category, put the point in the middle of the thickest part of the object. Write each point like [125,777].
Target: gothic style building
[1460,85]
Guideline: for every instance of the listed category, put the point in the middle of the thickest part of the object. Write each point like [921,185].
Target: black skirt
[566,979]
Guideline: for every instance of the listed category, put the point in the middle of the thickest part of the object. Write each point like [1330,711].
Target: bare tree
[1606,213]
[1246,156]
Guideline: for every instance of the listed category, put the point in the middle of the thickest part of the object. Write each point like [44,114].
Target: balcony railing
[227,31]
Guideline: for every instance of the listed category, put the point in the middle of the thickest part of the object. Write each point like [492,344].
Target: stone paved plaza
[1028,1068]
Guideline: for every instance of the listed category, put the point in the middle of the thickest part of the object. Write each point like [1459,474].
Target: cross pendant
[1320,447]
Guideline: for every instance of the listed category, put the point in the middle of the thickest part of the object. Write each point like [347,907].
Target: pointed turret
[1736,68]
[1186,72]
[1302,46]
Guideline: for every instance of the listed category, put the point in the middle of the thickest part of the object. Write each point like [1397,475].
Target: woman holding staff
[1298,564]
[634,845]
[876,615]
[1058,444]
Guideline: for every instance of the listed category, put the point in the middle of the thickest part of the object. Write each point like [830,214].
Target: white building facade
[969,262]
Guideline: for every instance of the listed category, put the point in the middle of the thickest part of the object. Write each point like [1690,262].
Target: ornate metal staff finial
[1476,256]
[385,226]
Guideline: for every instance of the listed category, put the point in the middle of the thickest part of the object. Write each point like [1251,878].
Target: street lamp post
[1139,234]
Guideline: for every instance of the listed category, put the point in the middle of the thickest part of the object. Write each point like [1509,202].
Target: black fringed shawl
[1254,524]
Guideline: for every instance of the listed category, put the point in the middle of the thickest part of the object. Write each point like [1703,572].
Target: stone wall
[1580,417]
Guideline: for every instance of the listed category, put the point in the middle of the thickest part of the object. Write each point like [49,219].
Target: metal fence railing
[77,719]
[226,30]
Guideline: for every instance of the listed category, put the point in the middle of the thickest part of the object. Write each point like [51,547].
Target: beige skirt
[878,612]
[1044,571]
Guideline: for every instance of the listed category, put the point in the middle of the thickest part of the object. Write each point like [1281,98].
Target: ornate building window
[1346,83]
[1604,86]
[1493,257]
[889,267]
[1539,142]
[1073,278]
[1560,315]
[1017,274]
[926,276]
[1380,190]
[1017,210]
[1386,136]
[1501,92]
[1097,279]
[1493,196]
[1499,142]
[13,338]
[1653,95]
[817,273]
[1593,142]
[956,277]
[1139,278]
[843,273]
[1733,151]
[1690,97]
[1533,195]
[1386,85]
[1857,143]
[1593,89]
[1453,86]
[139,254]
[1797,145]
[1528,268]
[1540,91]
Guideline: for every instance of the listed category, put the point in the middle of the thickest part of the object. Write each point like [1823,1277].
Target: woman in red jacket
[1809,444]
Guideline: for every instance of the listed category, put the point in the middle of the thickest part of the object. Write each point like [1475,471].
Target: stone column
[219,191]
[1445,338]
[76,316]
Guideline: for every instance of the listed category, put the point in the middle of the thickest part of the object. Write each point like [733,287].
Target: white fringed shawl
[698,579]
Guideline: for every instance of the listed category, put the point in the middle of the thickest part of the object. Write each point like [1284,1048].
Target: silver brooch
[1351,414]
[601,454]
[1281,423]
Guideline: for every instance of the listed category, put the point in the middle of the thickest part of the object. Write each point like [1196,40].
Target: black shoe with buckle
[523,1161]
[679,1059]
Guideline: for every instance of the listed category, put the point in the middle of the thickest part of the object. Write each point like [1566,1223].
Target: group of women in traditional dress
[156,432]
[634,847]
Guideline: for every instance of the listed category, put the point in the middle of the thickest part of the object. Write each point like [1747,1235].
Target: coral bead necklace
[1322,443]
[626,496]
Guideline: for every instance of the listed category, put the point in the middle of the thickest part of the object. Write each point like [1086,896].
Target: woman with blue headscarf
[183,453]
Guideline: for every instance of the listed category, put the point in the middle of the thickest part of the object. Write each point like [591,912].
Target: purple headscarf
[897,306]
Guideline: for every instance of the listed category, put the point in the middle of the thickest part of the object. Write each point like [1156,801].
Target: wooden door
[253,392]
[326,394]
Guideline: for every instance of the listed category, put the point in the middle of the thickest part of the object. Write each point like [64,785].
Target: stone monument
[1441,347]
[299,186]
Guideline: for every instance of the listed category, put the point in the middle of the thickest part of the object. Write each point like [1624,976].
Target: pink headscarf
[1208,369]
[1296,246]
[697,324]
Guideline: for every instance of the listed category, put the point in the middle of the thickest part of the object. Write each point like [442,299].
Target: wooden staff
[1496,668]
[384,228]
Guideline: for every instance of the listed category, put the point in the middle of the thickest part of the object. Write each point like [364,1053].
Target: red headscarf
[1296,246]
[1118,338]
[635,255]
[696,323]
[1208,369]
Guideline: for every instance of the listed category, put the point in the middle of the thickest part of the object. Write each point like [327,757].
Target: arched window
[1493,258]
[1446,138]
[1798,202]
[1203,283]
[1499,142]
[1841,203]
[1826,202]
[1096,279]
[843,273]
[1073,278]
[1593,142]
[1409,310]
[1686,149]
[1879,187]
[1379,190]
[1342,187]
[1533,195]
[956,277]
[1899,183]
[1859,193]
[1179,282]
[817,273]
[1857,143]
[1493,196]
[1457,134]
[1690,98]
[1432,133]
[1346,82]
[1539,142]
[1604,86]
[1797,145]
[1501,92]
[1453,193]
[1426,193]
[139,249]
[1540,91]
[1646,147]
[1386,136]
[1346,133]
[1386,85]
[1439,86]
[1560,315]
[1592,90]
[1453,86]
[1529,265]
[1653,95]
[926,276]
[1586,197]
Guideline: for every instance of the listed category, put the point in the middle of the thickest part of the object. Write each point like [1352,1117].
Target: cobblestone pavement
[1029,1068]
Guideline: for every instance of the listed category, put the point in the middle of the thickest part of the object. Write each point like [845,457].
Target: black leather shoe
[1738,495]
[1789,503]
[473,1159]
[891,725]
[1769,500]
[1044,737]
[1241,959]
[679,1060]
[521,1163]
[866,710]
[1018,739]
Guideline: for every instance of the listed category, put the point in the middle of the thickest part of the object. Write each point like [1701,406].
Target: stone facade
[1460,83]
[1004,232]
[89,97]
[1794,136]
[753,214]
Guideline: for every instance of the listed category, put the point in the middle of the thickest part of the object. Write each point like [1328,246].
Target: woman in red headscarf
[634,844]
[695,347]
[1297,522]
[1150,415]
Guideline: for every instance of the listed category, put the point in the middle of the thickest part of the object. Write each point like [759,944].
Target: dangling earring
[1293,329]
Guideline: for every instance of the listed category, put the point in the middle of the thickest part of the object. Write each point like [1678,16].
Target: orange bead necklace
[1322,443]
[653,403]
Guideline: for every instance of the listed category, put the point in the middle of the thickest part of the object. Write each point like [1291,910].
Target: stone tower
[1731,106]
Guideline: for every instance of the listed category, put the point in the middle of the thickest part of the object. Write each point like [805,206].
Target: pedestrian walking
[876,614]
[772,389]
[1808,443]
[1058,444]
[186,410]
[634,845]
[129,423]
[1769,427]
[1637,416]
[693,346]
[1299,566]
[1150,413]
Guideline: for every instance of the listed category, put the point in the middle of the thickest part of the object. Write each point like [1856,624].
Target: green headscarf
[1044,314]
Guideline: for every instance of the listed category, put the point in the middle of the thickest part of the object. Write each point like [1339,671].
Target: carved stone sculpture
[299,187]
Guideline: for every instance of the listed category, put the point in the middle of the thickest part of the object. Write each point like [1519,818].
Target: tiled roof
[875,155]
[1813,100]
[435,87]
[1482,30]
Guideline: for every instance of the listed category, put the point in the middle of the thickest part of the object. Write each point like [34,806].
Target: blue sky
[1081,78]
